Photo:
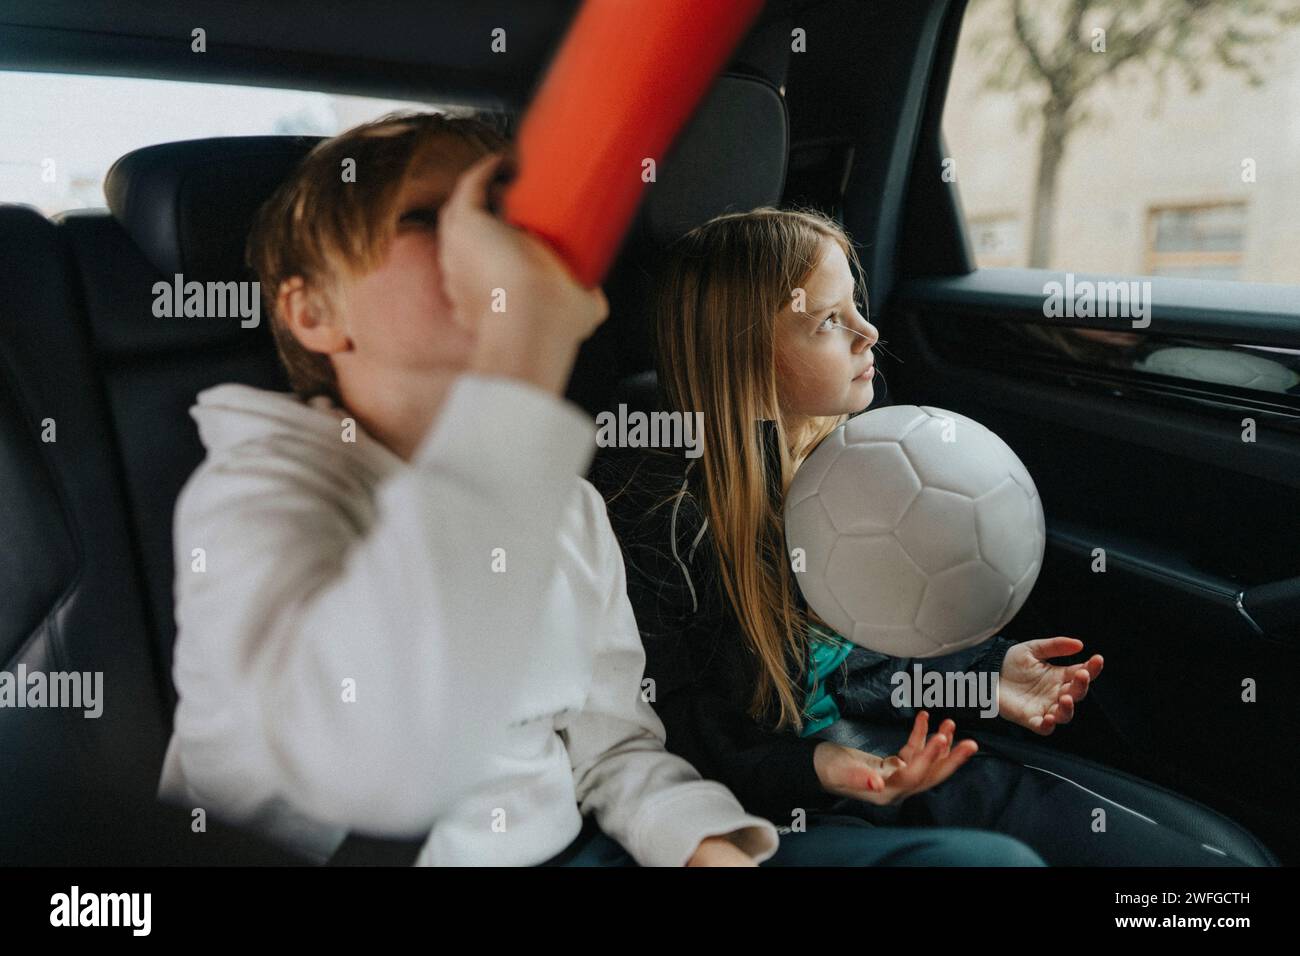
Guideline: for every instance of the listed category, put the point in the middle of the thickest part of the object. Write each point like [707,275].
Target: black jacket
[702,669]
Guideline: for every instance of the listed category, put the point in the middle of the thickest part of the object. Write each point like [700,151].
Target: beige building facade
[1202,184]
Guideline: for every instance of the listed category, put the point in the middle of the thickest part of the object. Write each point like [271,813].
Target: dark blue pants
[1053,815]
[995,792]
[1047,812]
[834,840]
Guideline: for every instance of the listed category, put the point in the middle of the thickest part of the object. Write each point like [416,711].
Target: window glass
[1112,136]
[61,133]
[996,239]
[1124,139]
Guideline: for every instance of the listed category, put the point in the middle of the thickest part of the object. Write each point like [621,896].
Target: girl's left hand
[1039,695]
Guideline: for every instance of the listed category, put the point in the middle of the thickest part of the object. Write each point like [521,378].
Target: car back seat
[730,158]
[93,565]
[71,595]
[74,789]
[176,208]
[91,568]
[187,207]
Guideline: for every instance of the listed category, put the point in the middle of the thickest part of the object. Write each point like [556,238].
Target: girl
[759,329]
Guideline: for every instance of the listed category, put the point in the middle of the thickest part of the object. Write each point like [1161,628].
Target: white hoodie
[438,649]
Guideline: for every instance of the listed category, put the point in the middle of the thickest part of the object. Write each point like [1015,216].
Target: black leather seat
[175,208]
[75,789]
[87,519]
[72,598]
[730,158]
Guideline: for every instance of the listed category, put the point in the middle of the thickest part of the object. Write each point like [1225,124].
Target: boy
[401,611]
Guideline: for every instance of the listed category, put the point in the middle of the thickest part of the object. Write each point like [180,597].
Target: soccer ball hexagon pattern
[922,533]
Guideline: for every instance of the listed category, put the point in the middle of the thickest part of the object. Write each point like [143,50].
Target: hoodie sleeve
[652,802]
[362,680]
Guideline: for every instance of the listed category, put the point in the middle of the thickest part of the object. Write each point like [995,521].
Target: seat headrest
[730,158]
[189,205]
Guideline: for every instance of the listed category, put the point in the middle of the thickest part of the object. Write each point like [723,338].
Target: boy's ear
[312,323]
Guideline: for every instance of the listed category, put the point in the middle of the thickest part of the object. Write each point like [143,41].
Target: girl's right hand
[920,765]
[547,313]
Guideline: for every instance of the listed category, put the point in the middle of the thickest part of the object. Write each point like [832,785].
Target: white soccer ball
[920,531]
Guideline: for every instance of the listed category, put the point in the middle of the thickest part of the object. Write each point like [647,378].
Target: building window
[996,241]
[1196,241]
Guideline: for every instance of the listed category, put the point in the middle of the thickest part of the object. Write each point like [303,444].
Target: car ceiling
[399,48]
[862,83]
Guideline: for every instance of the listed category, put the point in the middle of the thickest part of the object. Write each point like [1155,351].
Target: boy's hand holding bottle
[529,312]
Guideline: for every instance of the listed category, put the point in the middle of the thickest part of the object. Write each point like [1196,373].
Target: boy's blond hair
[320,226]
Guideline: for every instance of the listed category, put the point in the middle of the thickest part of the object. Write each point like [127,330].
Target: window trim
[1217,311]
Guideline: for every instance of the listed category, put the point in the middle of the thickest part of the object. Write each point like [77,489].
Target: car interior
[1201,591]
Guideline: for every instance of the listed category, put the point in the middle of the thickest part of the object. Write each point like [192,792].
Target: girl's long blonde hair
[724,284]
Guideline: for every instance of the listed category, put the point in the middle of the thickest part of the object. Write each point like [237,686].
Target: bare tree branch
[1025,35]
[1160,34]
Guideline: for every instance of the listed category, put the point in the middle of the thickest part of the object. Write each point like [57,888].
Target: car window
[1108,139]
[63,132]
[1121,146]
